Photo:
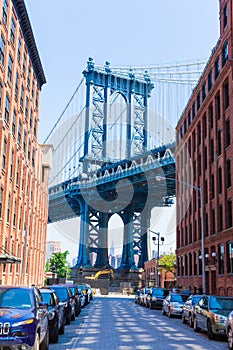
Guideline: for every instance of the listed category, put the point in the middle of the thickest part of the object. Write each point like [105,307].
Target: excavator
[101,272]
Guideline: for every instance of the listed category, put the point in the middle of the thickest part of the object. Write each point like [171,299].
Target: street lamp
[157,263]
[199,189]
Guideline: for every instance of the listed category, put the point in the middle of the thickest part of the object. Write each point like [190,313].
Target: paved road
[118,323]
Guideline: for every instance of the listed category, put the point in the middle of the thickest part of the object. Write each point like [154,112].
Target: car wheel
[209,330]
[230,338]
[68,318]
[183,318]
[190,321]
[54,338]
[45,342]
[195,326]
[62,328]
[163,312]
[37,343]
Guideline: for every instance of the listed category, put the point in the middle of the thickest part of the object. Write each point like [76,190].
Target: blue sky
[126,32]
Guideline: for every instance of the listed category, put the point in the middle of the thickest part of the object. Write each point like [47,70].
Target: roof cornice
[26,28]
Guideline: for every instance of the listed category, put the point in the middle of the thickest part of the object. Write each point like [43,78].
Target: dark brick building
[205,165]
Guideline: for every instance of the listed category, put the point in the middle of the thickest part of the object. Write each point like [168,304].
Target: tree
[168,262]
[59,264]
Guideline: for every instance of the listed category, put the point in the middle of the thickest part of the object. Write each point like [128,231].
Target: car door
[166,303]
[42,313]
[203,305]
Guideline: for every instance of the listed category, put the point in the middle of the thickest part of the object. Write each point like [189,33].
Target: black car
[68,301]
[155,297]
[56,314]
[23,319]
[77,297]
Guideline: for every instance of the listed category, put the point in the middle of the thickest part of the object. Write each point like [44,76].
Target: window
[213,221]
[19,132]
[4,154]
[33,87]
[225,53]
[226,95]
[221,259]
[228,133]
[229,213]
[9,72]
[24,141]
[204,126]
[203,91]
[2,50]
[212,186]
[225,15]
[1,201]
[24,63]
[21,96]
[4,12]
[37,97]
[230,257]
[19,50]
[26,108]
[211,116]
[1,94]
[14,122]
[216,68]
[33,159]
[212,150]
[217,105]
[29,77]
[8,209]
[7,109]
[228,172]
[35,127]
[219,143]
[17,85]
[198,101]
[12,31]
[220,217]
[219,180]
[11,165]
[31,117]
[210,80]
[14,216]
[193,110]
[29,151]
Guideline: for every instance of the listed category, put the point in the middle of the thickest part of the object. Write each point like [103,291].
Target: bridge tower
[103,87]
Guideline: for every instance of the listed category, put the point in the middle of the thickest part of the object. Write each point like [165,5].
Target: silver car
[229,330]
[173,304]
[188,308]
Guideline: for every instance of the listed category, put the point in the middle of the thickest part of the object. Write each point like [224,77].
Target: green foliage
[59,264]
[168,262]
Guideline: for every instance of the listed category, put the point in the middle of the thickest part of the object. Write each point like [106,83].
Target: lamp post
[157,263]
[199,189]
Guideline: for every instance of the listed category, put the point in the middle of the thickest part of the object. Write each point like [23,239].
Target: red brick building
[166,279]
[205,160]
[23,163]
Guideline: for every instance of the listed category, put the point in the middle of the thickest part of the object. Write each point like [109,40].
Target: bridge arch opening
[115,240]
[117,127]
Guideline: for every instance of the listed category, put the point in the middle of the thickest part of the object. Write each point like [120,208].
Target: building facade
[52,247]
[24,164]
[166,279]
[204,163]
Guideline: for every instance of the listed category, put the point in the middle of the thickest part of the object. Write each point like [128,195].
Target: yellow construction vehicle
[99,273]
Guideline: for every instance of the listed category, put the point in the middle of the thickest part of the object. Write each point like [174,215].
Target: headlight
[220,318]
[25,322]
[51,315]
[154,298]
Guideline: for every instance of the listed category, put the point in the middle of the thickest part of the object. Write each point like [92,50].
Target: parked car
[23,319]
[173,304]
[77,297]
[67,299]
[229,330]
[155,297]
[188,308]
[56,314]
[82,297]
[143,296]
[89,291]
[210,314]
[137,296]
[83,289]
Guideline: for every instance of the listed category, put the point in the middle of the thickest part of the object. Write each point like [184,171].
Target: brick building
[205,160]
[24,164]
[166,279]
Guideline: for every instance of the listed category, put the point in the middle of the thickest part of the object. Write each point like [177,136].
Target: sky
[125,33]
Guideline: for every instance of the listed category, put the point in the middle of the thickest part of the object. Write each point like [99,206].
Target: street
[118,323]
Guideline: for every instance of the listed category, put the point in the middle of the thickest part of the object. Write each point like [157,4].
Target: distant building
[204,159]
[51,248]
[24,164]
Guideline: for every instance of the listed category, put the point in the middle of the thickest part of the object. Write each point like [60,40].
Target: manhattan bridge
[114,153]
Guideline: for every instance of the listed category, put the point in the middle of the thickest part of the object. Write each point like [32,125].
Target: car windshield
[179,298]
[159,292]
[62,293]
[72,290]
[221,303]
[16,298]
[47,298]
[196,299]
